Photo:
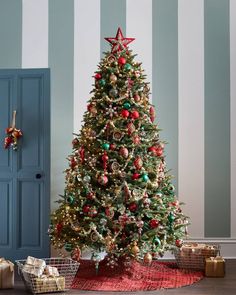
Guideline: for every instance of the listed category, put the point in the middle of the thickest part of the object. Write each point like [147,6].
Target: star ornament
[119,43]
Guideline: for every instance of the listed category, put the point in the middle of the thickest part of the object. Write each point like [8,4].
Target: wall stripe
[191,112]
[217,119]
[233,112]
[35,34]
[86,54]
[165,76]
[10,33]
[61,62]
[141,29]
[113,15]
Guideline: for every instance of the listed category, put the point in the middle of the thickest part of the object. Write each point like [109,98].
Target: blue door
[25,172]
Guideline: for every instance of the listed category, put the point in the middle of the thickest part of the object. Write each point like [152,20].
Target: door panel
[25,173]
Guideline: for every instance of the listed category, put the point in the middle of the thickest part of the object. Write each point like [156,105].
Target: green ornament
[171,217]
[68,247]
[156,241]
[145,177]
[102,82]
[127,105]
[70,200]
[171,189]
[106,146]
[159,194]
[127,67]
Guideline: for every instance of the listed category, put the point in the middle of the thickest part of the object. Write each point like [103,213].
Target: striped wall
[188,50]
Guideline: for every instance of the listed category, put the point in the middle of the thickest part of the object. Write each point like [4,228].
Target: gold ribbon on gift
[215,260]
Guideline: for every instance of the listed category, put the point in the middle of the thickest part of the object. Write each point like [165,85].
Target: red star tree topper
[119,43]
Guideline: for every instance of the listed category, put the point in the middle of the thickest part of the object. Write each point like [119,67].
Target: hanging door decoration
[13,134]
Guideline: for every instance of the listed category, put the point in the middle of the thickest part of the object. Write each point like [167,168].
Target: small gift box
[33,266]
[51,271]
[215,267]
[6,274]
[46,284]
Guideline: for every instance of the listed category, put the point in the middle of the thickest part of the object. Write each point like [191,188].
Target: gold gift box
[48,284]
[215,267]
[6,274]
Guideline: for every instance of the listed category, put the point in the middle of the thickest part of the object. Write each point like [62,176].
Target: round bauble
[124,152]
[102,82]
[133,207]
[152,149]
[127,105]
[125,113]
[171,217]
[90,196]
[179,243]
[147,258]
[135,176]
[153,223]
[171,189]
[98,76]
[135,249]
[105,157]
[136,139]
[113,92]
[103,179]
[87,178]
[86,208]
[113,78]
[93,212]
[70,200]
[59,227]
[138,163]
[121,60]
[145,177]
[134,115]
[112,146]
[156,241]
[105,146]
[127,67]
[137,97]
[159,151]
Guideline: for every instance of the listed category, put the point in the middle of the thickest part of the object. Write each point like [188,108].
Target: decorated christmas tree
[118,196]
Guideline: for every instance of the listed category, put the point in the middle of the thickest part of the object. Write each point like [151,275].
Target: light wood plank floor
[207,286]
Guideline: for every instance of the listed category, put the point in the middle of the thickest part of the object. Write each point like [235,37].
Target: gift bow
[215,260]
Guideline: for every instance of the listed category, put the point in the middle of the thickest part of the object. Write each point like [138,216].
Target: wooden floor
[207,286]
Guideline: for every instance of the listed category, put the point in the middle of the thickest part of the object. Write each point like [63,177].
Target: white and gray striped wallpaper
[188,49]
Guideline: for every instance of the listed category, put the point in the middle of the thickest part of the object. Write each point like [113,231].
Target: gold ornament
[113,78]
[135,249]
[147,258]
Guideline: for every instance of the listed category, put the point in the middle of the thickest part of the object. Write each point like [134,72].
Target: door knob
[38,175]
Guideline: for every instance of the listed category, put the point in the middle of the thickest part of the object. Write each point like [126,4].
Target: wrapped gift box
[215,267]
[46,284]
[34,266]
[51,271]
[6,274]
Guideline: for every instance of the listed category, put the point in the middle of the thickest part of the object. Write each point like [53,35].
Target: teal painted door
[25,173]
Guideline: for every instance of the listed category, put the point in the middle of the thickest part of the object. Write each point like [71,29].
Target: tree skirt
[138,277]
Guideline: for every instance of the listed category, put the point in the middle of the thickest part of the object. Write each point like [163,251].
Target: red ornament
[135,176]
[112,146]
[131,128]
[121,61]
[7,142]
[59,227]
[75,254]
[98,76]
[90,196]
[92,212]
[103,179]
[138,163]
[105,159]
[152,149]
[153,223]
[137,97]
[124,152]
[125,113]
[133,207]
[73,163]
[75,142]
[86,209]
[119,43]
[109,212]
[159,151]
[81,153]
[136,139]
[179,243]
[135,115]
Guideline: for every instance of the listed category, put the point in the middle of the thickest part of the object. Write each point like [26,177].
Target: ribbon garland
[13,134]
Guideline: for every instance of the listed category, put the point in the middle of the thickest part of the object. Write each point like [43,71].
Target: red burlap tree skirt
[139,277]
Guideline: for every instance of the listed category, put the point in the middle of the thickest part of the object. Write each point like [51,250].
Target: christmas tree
[118,197]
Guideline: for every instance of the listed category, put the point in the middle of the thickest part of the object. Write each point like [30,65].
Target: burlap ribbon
[215,260]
